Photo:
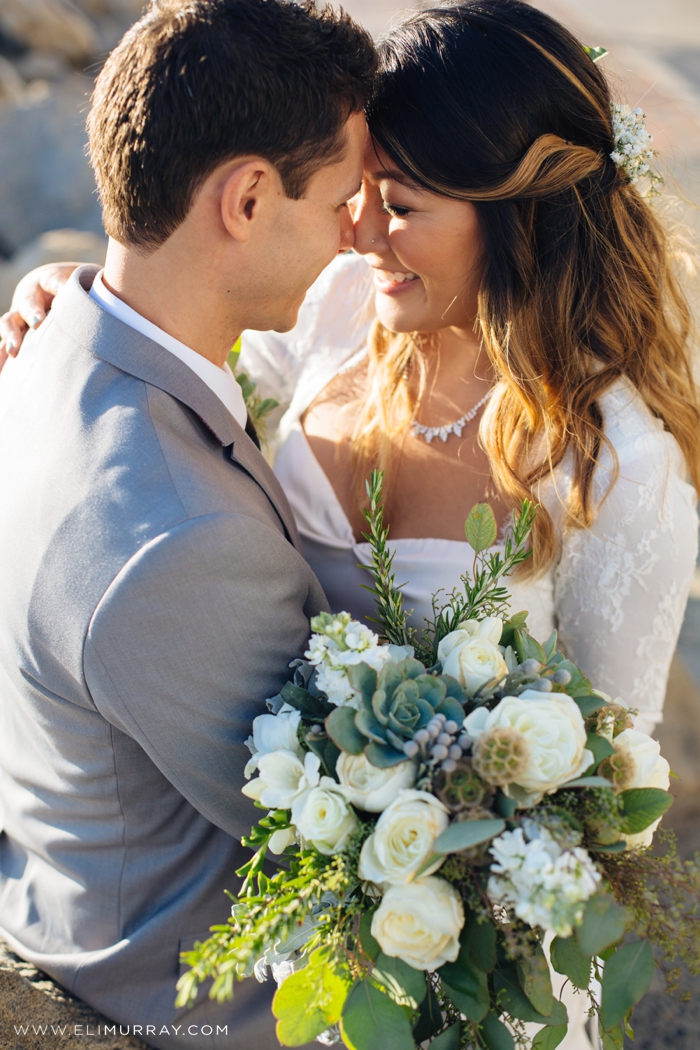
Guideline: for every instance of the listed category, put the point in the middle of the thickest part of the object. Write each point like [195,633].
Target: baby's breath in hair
[633,149]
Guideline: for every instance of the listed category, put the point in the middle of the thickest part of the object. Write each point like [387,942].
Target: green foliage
[549,1038]
[311,1000]
[468,833]
[258,408]
[604,923]
[391,614]
[515,1001]
[401,982]
[466,984]
[447,1040]
[642,806]
[429,1016]
[568,959]
[373,1021]
[600,747]
[533,972]
[340,726]
[626,978]
[479,940]
[480,528]
[495,1035]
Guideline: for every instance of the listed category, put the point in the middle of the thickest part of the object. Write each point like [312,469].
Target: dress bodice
[618,590]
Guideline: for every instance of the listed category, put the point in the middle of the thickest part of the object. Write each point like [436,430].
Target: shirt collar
[220,381]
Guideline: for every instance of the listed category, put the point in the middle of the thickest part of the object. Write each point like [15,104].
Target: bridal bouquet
[455,814]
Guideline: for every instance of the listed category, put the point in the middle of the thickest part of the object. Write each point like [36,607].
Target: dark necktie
[251,431]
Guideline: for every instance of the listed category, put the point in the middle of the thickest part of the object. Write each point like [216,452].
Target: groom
[152,592]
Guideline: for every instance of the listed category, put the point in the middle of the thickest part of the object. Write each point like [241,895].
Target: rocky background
[50,51]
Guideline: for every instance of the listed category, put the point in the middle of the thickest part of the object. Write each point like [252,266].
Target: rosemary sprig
[391,613]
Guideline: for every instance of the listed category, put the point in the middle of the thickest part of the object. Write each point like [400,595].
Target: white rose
[474,662]
[369,787]
[403,838]
[274,733]
[324,817]
[420,923]
[283,777]
[651,771]
[553,727]
[490,628]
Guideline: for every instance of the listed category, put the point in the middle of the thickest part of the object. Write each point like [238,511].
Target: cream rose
[283,776]
[553,728]
[403,838]
[420,923]
[474,662]
[490,628]
[651,771]
[369,787]
[324,817]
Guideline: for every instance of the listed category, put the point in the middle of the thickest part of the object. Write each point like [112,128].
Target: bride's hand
[30,304]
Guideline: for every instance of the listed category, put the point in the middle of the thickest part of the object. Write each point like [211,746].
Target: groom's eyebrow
[353,193]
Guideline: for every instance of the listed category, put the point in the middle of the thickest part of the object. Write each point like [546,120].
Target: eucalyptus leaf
[495,1034]
[313,708]
[626,978]
[370,945]
[587,782]
[516,1003]
[608,847]
[340,726]
[504,805]
[579,686]
[600,747]
[568,959]
[464,834]
[550,646]
[479,941]
[614,1040]
[480,528]
[372,1021]
[429,1017]
[533,972]
[447,1040]
[604,923]
[403,983]
[310,1000]
[466,985]
[550,1037]
[642,806]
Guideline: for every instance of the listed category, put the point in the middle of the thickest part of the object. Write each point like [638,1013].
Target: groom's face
[308,233]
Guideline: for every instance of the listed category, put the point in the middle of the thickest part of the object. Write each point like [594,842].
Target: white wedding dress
[618,591]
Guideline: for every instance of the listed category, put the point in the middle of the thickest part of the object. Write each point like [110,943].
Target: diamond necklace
[450,428]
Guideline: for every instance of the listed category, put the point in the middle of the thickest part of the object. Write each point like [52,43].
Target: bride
[509,325]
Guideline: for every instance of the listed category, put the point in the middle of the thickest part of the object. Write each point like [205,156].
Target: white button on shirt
[219,380]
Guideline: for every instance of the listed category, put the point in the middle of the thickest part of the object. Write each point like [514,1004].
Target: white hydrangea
[544,884]
[632,143]
[339,642]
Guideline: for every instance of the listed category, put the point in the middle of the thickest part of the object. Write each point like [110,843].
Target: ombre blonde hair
[578,286]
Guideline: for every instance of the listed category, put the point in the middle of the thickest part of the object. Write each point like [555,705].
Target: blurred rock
[41,65]
[50,25]
[12,85]
[54,246]
[35,1014]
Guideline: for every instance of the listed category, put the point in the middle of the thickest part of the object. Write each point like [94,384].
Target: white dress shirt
[220,380]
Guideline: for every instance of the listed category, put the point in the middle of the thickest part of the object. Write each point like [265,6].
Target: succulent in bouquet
[463,824]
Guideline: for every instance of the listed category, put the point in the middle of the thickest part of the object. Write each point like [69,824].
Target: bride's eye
[393,209]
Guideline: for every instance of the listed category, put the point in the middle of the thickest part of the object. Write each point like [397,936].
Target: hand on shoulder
[31,302]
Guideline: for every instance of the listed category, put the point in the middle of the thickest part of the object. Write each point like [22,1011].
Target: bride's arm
[621,587]
[30,303]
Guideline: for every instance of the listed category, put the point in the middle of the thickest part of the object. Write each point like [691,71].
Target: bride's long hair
[494,102]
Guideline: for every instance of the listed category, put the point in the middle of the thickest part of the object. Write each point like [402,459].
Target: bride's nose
[369,221]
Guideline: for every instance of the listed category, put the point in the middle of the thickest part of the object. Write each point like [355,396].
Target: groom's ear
[250,188]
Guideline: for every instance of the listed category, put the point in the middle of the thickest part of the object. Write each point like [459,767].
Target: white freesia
[420,923]
[553,727]
[370,788]
[324,817]
[279,840]
[343,643]
[545,885]
[283,777]
[403,838]
[651,771]
[274,733]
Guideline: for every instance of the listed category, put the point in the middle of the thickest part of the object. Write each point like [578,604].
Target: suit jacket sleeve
[191,637]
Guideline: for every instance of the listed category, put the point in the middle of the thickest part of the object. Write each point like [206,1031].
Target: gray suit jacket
[152,594]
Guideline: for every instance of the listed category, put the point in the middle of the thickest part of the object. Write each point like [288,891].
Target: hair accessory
[450,428]
[632,144]
[595,53]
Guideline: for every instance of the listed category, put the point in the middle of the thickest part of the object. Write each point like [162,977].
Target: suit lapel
[122,346]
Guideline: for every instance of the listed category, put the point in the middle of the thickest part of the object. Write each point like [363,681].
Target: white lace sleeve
[333,323]
[621,587]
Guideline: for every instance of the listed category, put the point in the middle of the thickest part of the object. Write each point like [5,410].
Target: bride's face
[424,250]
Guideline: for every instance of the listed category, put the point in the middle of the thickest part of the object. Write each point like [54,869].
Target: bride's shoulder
[635,434]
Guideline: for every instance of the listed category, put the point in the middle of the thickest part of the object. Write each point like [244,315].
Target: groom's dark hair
[196,83]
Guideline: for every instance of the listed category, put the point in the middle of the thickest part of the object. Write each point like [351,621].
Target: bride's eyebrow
[395,176]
